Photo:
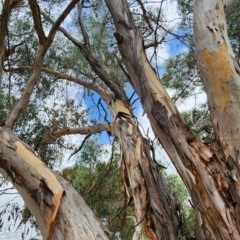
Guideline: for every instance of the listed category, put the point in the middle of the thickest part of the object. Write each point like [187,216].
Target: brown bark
[158,214]
[58,209]
[7,7]
[209,173]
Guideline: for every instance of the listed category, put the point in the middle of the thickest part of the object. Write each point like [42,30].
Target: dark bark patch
[118,37]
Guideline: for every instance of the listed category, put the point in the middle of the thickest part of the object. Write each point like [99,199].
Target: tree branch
[97,128]
[58,22]
[22,102]
[79,149]
[155,43]
[105,93]
[203,127]
[80,21]
[52,136]
[37,21]
[118,92]
[10,51]
[145,15]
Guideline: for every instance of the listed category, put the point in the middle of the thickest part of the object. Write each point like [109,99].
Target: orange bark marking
[219,70]
[28,157]
[48,177]
[56,200]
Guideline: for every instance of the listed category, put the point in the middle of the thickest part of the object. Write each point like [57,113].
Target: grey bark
[208,170]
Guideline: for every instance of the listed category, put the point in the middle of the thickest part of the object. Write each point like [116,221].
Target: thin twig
[79,149]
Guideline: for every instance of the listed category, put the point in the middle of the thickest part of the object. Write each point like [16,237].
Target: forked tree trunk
[59,210]
[158,213]
[210,171]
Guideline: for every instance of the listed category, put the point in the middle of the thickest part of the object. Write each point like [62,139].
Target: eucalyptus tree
[209,170]
[52,201]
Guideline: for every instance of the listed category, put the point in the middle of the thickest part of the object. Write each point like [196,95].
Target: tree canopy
[75,77]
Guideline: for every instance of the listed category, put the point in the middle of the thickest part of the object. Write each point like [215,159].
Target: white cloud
[171,13]
[163,53]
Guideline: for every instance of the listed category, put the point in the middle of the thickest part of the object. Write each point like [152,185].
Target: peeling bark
[158,213]
[58,209]
[210,171]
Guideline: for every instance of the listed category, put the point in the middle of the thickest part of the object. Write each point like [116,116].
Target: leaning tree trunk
[59,210]
[210,171]
[157,211]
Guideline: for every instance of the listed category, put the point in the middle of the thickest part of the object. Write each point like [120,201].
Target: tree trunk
[157,211]
[62,214]
[59,210]
[210,171]
[219,72]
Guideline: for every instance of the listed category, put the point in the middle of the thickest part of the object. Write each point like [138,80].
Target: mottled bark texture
[210,171]
[59,210]
[158,211]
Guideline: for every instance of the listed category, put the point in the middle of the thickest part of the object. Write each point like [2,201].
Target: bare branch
[156,43]
[23,100]
[80,21]
[58,22]
[79,149]
[203,127]
[97,128]
[89,130]
[37,21]
[105,93]
[10,51]
[145,15]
